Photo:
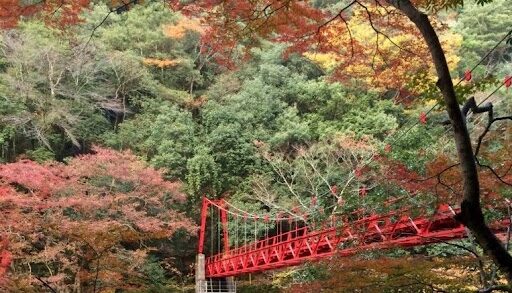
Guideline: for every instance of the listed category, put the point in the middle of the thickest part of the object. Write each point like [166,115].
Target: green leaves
[203,173]
[482,26]
[162,133]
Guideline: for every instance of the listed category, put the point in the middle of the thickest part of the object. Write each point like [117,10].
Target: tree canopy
[117,117]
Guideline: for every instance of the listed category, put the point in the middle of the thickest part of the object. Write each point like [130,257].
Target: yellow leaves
[325,60]
[437,5]
[386,53]
[430,103]
[161,63]
[385,274]
[184,25]
[451,43]
[175,31]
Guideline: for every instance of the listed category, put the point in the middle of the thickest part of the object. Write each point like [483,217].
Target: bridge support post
[200,273]
[230,281]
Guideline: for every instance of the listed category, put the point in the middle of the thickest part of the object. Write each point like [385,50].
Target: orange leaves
[184,25]
[379,48]
[368,42]
[241,21]
[395,172]
[391,274]
[160,63]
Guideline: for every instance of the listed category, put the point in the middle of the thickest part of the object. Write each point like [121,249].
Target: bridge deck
[372,232]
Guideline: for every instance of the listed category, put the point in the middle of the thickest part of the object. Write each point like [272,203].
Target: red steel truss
[394,229]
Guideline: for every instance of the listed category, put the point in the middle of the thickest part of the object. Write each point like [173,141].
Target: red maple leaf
[467,75]
[423,118]
[334,189]
[508,81]
[363,191]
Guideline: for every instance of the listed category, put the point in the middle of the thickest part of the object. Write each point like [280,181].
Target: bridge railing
[342,236]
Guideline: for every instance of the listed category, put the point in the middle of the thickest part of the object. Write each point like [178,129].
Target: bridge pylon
[203,284]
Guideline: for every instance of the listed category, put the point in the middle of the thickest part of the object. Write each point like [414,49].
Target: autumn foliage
[61,13]
[394,274]
[90,223]
[366,42]
[442,177]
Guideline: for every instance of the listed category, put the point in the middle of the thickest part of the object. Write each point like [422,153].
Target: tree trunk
[471,212]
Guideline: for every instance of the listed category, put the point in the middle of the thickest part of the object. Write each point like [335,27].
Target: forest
[118,117]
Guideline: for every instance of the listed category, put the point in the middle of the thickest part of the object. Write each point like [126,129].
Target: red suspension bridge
[249,243]
[242,243]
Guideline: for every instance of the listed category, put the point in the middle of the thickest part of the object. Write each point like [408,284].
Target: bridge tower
[210,285]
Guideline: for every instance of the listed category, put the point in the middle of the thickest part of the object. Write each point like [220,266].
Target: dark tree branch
[58,8]
[112,10]
[471,214]
[439,182]
[330,20]
[377,3]
[45,284]
[349,34]
[339,14]
[471,105]
[500,178]
[438,174]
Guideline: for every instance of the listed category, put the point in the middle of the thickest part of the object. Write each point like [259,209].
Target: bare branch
[349,34]
[45,284]
[471,105]
[117,9]
[500,178]
[438,174]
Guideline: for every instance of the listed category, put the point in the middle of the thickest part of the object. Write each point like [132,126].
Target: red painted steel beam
[202,228]
[373,232]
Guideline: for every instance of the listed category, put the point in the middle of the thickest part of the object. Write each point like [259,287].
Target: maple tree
[91,223]
[354,52]
[60,13]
